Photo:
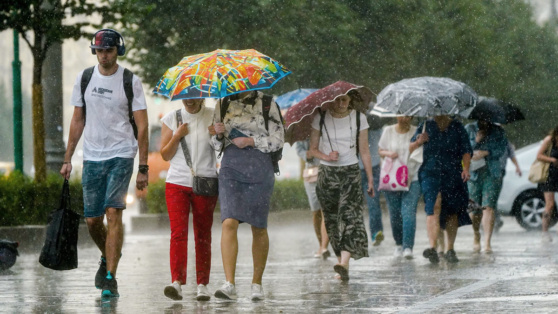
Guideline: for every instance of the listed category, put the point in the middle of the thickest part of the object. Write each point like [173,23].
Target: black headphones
[120,45]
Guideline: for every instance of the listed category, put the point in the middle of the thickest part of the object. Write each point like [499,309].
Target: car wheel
[528,209]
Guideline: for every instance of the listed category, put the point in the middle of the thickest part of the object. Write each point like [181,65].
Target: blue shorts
[105,184]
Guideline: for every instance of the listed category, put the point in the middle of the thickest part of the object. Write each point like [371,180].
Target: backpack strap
[128,89]
[266,106]
[322,125]
[85,79]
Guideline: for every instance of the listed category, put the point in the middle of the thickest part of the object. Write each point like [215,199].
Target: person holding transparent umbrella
[446,150]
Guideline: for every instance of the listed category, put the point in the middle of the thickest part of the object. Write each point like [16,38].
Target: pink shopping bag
[394,176]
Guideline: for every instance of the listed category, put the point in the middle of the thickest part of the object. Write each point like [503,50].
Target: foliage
[494,46]
[26,202]
[287,194]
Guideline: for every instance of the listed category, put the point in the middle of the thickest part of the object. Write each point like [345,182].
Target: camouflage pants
[340,194]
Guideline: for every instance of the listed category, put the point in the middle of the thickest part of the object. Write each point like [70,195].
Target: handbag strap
[65,196]
[183,142]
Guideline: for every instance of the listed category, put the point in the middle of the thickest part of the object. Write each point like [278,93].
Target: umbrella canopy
[220,73]
[287,100]
[488,109]
[299,117]
[513,113]
[427,97]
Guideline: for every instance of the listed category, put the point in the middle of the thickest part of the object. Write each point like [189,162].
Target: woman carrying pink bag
[399,182]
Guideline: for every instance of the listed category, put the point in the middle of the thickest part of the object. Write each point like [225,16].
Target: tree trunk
[39,159]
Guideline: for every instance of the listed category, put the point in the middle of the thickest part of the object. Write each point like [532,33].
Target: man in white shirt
[102,115]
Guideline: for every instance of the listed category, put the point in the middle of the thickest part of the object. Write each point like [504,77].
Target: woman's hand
[333,156]
[554,162]
[422,138]
[242,142]
[182,130]
[219,128]
[465,175]
[392,155]
[370,188]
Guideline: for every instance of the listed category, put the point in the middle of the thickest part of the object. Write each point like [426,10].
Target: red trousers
[179,200]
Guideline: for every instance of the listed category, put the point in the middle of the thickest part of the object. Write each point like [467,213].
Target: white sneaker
[398,251]
[257,292]
[408,253]
[203,293]
[227,291]
[174,291]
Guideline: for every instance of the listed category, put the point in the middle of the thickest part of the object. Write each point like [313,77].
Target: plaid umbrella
[220,73]
[299,117]
[426,97]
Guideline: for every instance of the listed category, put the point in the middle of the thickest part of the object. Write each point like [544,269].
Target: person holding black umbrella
[489,144]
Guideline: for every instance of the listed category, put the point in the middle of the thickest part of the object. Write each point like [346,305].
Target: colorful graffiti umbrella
[287,100]
[299,117]
[220,73]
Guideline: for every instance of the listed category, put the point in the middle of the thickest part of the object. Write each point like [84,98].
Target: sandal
[343,271]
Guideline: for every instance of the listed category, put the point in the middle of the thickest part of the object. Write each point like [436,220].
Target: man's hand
[141,181]
[465,175]
[422,138]
[66,170]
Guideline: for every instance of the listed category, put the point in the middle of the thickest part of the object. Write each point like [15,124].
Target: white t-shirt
[393,141]
[342,132]
[202,154]
[108,132]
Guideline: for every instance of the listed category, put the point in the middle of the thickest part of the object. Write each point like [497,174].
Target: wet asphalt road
[520,277]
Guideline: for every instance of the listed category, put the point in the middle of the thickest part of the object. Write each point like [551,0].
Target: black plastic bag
[60,249]
[8,253]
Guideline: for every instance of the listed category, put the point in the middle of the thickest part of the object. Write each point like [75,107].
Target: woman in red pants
[191,124]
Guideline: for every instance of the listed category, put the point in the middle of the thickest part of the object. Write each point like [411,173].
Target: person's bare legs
[488,226]
[325,237]
[451,231]
[260,249]
[115,238]
[548,206]
[98,232]
[433,222]
[476,231]
[317,223]
[441,242]
[229,248]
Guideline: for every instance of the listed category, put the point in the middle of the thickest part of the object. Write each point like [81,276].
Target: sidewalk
[520,277]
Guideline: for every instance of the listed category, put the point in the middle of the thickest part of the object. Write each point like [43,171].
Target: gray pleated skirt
[246,182]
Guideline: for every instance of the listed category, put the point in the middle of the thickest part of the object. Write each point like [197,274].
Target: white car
[520,197]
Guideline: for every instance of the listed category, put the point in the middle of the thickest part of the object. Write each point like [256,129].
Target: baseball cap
[105,39]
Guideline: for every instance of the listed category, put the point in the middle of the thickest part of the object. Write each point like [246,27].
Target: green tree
[494,46]
[42,23]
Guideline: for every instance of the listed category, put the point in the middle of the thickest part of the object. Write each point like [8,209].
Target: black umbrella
[490,110]
[512,113]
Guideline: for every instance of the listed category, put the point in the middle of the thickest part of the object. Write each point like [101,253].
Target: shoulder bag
[394,175]
[538,173]
[205,186]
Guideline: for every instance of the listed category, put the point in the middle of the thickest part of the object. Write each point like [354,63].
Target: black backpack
[128,75]
[322,117]
[266,106]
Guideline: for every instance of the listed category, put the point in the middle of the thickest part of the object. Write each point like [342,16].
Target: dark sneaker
[110,287]
[451,257]
[432,255]
[101,273]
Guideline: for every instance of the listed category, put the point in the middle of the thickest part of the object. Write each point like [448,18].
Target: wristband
[143,169]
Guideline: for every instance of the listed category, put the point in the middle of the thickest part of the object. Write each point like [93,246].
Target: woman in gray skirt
[246,179]
[333,140]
